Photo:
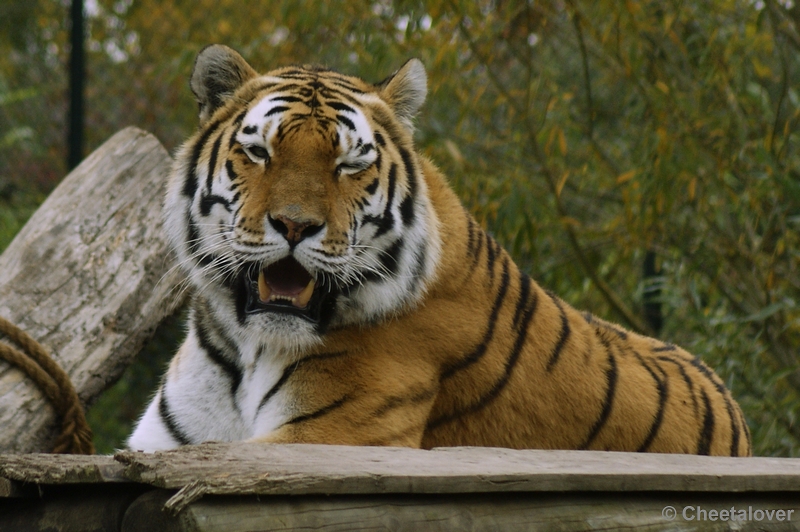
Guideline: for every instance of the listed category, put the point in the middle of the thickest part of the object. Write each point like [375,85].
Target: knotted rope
[75,436]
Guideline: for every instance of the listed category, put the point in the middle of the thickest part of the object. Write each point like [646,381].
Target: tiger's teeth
[304,297]
[263,289]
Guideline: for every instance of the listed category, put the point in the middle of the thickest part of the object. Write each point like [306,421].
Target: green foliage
[586,136]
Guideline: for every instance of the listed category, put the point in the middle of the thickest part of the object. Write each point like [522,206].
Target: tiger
[342,294]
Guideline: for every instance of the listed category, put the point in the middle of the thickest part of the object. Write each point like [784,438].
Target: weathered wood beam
[258,469]
[243,468]
[90,277]
[248,486]
[492,512]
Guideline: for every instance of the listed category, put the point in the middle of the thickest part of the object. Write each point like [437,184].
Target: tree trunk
[90,277]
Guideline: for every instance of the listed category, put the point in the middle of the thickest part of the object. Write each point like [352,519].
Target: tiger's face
[300,205]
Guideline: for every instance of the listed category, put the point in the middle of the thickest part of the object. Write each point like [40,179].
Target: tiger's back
[343,295]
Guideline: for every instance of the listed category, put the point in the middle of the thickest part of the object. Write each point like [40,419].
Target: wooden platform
[248,487]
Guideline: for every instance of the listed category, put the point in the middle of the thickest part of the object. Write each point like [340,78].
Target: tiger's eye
[258,152]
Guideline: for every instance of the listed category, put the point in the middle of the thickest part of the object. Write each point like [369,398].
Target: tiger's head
[300,203]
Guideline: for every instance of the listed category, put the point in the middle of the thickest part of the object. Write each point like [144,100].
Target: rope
[75,436]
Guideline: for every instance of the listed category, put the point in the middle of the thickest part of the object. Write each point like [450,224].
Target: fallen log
[89,277]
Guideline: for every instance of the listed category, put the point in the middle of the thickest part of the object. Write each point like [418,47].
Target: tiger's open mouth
[285,287]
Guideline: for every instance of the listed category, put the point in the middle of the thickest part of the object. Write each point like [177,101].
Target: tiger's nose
[294,231]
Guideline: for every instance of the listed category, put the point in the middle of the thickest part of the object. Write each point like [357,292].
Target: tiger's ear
[218,72]
[405,90]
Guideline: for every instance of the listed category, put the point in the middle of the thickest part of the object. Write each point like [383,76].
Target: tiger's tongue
[285,280]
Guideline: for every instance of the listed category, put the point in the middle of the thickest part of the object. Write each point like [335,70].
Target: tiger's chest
[227,395]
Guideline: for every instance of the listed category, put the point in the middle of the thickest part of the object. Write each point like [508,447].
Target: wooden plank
[251,468]
[61,469]
[88,277]
[9,489]
[247,468]
[87,508]
[475,512]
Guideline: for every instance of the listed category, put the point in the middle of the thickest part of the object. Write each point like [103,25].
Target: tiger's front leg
[336,398]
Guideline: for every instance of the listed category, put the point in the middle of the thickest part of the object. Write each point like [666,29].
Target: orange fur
[402,360]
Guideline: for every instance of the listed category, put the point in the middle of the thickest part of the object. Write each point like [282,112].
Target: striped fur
[421,330]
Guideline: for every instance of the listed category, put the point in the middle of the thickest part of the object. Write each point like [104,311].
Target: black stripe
[663,391]
[686,379]
[481,348]
[390,258]
[411,175]
[491,251]
[212,163]
[194,244]
[232,175]
[619,332]
[511,363]
[207,201]
[746,430]
[262,87]
[470,233]
[237,121]
[478,248]
[407,210]
[339,106]
[275,110]
[379,139]
[704,443]
[606,325]
[345,84]
[714,380]
[525,290]
[249,130]
[190,184]
[319,413]
[218,329]
[346,121]
[169,420]
[216,355]
[396,401]
[372,187]
[608,402]
[665,347]
[289,99]
[562,336]
[387,220]
[290,369]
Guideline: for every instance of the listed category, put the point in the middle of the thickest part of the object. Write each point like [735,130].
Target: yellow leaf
[562,142]
[762,70]
[224,27]
[627,176]
[561,183]
[660,85]
[692,188]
